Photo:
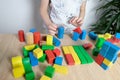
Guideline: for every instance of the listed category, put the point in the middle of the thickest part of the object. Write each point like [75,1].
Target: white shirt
[63,10]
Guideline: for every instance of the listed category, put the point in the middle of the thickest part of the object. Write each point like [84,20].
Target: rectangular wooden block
[38,52]
[107,62]
[49,40]
[65,50]
[44,77]
[60,69]
[69,59]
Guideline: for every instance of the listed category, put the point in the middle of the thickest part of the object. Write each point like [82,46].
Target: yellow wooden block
[73,53]
[65,50]
[38,52]
[29,38]
[100,35]
[107,62]
[30,47]
[18,72]
[16,61]
[107,36]
[49,40]
[45,78]
[60,69]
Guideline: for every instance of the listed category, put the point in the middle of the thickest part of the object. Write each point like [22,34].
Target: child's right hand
[52,28]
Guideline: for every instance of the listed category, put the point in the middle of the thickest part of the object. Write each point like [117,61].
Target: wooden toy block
[73,53]
[117,35]
[30,76]
[75,36]
[92,35]
[107,62]
[99,59]
[17,61]
[105,67]
[65,50]
[29,47]
[50,56]
[83,35]
[33,59]
[105,48]
[32,30]
[56,41]
[49,40]
[18,72]
[25,52]
[95,51]
[37,46]
[60,32]
[36,37]
[29,38]
[69,59]
[21,35]
[56,52]
[107,36]
[60,69]
[80,55]
[49,71]
[58,60]
[48,47]
[43,58]
[86,55]
[38,52]
[99,42]
[78,30]
[115,59]
[87,45]
[44,77]
[27,65]
[100,36]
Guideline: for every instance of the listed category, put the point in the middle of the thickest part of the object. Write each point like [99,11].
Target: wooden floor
[10,46]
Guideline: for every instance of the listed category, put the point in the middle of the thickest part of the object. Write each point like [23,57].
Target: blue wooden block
[105,48]
[58,60]
[105,67]
[83,35]
[92,35]
[33,59]
[75,36]
[60,32]
[32,30]
[56,41]
[115,59]
[117,35]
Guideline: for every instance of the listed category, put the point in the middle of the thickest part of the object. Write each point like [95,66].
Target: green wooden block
[37,46]
[95,51]
[99,42]
[43,58]
[80,55]
[49,71]
[27,65]
[25,52]
[86,55]
[30,76]
[46,47]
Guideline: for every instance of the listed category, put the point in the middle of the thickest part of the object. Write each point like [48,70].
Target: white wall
[24,14]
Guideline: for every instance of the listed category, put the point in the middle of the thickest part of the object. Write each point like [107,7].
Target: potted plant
[109,22]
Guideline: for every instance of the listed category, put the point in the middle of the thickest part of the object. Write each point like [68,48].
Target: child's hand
[52,28]
[76,21]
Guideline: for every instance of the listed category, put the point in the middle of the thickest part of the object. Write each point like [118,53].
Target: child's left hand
[76,21]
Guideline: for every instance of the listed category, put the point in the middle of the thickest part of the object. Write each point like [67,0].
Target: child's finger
[79,20]
[55,26]
[74,20]
[71,20]
[52,32]
[52,28]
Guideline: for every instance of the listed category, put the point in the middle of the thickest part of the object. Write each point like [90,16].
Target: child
[68,13]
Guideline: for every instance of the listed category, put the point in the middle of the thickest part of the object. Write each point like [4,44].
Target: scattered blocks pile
[78,33]
[107,55]
[76,55]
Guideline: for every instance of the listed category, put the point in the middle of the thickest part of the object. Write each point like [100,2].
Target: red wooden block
[78,30]
[56,52]
[99,59]
[69,59]
[50,56]
[87,45]
[21,35]
[36,37]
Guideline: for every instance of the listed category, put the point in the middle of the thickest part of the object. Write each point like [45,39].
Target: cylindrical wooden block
[36,37]
[29,38]
[21,35]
